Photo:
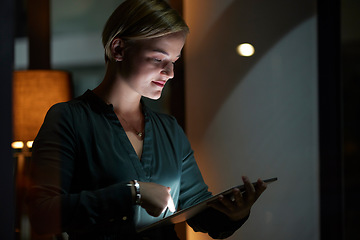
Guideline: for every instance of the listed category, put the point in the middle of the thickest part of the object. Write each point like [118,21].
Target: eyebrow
[165,53]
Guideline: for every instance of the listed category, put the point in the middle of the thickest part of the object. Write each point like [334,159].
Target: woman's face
[148,64]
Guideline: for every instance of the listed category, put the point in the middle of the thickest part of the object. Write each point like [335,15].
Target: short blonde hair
[141,19]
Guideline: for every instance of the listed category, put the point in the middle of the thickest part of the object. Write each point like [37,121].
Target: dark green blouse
[82,161]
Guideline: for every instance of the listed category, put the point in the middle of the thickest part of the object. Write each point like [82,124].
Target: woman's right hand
[155,198]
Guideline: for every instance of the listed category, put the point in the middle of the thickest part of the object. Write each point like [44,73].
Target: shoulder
[65,112]
[61,109]
[58,116]
[58,110]
[71,107]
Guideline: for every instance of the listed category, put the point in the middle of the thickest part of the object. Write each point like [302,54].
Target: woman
[104,164]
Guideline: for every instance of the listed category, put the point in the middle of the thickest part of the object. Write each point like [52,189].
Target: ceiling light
[245,50]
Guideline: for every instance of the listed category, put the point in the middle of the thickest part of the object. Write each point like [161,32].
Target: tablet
[189,212]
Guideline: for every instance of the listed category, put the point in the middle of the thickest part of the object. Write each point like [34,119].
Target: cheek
[142,77]
[140,66]
[141,70]
[147,70]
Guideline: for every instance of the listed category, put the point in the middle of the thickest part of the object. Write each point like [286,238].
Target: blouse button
[124,218]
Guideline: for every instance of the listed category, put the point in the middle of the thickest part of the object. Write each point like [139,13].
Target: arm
[230,214]
[53,207]
[240,205]
[211,221]
[225,216]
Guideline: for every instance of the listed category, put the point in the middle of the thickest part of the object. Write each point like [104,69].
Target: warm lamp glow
[34,92]
[245,50]
[17,145]
[29,144]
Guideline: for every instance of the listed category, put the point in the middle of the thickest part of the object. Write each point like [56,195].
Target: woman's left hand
[238,206]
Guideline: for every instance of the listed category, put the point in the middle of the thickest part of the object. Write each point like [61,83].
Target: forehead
[171,44]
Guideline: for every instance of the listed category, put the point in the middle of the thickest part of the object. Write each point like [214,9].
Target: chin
[154,96]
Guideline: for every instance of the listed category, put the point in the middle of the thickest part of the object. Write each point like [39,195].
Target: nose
[168,70]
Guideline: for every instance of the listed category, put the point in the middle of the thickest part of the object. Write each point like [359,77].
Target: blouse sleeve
[194,190]
[52,206]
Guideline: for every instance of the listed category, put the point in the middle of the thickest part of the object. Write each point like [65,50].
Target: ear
[117,49]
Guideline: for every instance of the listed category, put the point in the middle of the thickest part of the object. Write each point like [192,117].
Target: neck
[114,90]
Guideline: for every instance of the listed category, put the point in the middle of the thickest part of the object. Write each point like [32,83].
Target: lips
[159,83]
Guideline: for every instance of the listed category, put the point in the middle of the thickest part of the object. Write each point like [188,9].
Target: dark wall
[330,120]
[6,164]
[350,64]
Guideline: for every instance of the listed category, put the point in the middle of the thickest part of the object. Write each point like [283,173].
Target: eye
[157,60]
